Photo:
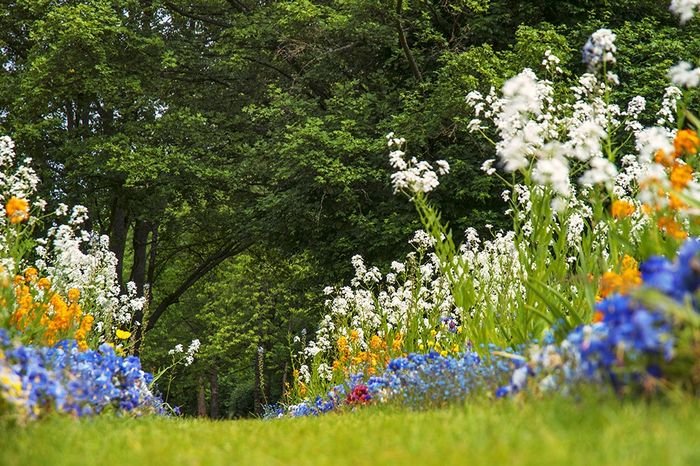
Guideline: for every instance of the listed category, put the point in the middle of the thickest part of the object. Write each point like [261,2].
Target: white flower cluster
[684,9]
[83,260]
[667,112]
[69,256]
[551,140]
[599,49]
[412,175]
[684,75]
[188,356]
[414,291]
[21,181]
[551,62]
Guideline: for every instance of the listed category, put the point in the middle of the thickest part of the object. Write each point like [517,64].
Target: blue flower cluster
[633,340]
[422,380]
[333,400]
[82,383]
[417,380]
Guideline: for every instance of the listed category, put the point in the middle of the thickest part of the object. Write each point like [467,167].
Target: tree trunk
[138,275]
[151,273]
[214,388]
[285,383]
[403,42]
[140,244]
[201,398]
[118,229]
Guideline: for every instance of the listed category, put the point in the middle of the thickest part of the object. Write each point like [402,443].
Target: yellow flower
[73,295]
[17,209]
[621,208]
[44,283]
[376,343]
[123,334]
[31,274]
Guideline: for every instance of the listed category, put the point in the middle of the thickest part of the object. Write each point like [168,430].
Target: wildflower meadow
[377,297]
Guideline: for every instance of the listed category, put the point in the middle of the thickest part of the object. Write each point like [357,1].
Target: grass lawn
[501,433]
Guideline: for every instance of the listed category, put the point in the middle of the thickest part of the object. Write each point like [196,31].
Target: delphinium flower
[423,380]
[64,379]
[12,397]
[631,340]
[415,380]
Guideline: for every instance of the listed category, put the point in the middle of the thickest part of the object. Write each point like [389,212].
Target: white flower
[553,171]
[522,93]
[684,75]
[599,49]
[602,171]
[684,9]
[422,240]
[487,167]
[61,210]
[668,105]
[398,267]
[443,168]
[78,215]
[651,140]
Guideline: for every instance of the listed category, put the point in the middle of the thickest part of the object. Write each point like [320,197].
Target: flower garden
[596,284]
[593,292]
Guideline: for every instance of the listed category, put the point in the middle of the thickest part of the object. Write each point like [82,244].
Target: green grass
[538,433]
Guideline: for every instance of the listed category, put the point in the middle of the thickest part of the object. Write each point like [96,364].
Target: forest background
[234,150]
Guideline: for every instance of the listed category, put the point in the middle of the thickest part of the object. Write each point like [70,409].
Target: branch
[191,15]
[240,5]
[204,268]
[404,43]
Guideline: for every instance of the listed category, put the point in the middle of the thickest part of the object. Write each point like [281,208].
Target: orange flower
[622,209]
[17,210]
[610,283]
[73,295]
[675,203]
[686,142]
[86,323]
[663,158]
[672,228]
[623,282]
[376,343]
[681,174]
[398,342]
[44,283]
[31,274]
